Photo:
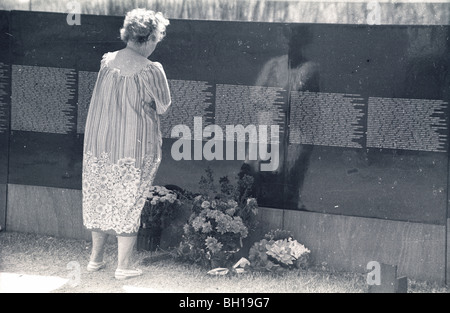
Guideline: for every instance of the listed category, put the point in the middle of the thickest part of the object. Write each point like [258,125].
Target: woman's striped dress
[122,146]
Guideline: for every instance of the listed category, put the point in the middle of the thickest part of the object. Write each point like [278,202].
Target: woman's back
[122,120]
[127,62]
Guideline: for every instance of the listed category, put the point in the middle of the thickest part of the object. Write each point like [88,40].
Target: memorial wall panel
[371,138]
[219,72]
[5,100]
[43,147]
[5,108]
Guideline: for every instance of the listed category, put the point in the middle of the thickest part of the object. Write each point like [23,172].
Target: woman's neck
[139,49]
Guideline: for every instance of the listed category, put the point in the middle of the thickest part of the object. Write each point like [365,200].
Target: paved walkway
[23,283]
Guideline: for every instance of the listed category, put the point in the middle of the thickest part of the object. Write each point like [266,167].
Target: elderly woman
[122,144]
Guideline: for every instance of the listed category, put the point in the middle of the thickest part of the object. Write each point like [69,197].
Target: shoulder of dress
[104,59]
[108,55]
[152,67]
[156,65]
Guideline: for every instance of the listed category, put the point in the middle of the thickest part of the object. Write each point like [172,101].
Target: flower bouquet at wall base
[221,218]
[160,207]
[278,251]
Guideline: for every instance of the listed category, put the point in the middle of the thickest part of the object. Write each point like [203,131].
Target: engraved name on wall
[5,82]
[189,99]
[86,84]
[43,99]
[329,119]
[250,105]
[409,124]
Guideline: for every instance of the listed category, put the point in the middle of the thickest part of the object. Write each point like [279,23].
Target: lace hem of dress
[114,194]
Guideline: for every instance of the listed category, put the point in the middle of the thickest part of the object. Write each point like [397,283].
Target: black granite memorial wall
[362,110]
[5,92]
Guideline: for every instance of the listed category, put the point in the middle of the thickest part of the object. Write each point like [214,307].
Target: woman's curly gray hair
[141,25]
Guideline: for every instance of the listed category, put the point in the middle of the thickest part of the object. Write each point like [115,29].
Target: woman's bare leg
[98,246]
[125,251]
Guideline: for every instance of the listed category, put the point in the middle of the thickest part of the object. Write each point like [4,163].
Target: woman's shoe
[124,274]
[95,266]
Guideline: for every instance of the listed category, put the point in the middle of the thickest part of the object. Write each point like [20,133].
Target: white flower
[230,211]
[297,249]
[251,201]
